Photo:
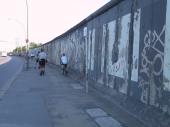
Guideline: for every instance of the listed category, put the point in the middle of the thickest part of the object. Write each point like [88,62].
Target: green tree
[33,45]
[23,48]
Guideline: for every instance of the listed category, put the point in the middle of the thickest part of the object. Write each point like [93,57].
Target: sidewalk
[55,100]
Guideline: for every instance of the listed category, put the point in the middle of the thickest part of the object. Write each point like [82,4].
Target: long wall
[124,46]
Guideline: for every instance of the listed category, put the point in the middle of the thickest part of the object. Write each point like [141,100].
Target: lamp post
[21,25]
[19,22]
[27,39]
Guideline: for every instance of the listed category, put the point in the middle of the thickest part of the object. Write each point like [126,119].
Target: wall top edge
[98,12]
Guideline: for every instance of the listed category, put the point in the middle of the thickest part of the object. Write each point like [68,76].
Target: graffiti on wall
[53,54]
[91,47]
[112,68]
[152,53]
[86,49]
[76,50]
[57,53]
[118,67]
[136,29]
[73,45]
[167,51]
[152,66]
[117,53]
[105,27]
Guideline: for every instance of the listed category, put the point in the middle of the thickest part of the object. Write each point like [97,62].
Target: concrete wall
[124,46]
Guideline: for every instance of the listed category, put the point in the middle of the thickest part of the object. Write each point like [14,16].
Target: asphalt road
[9,67]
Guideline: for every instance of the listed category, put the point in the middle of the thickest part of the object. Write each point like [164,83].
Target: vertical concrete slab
[103,48]
[123,51]
[119,68]
[152,53]
[111,67]
[136,29]
[92,49]
[166,72]
[89,49]
[86,49]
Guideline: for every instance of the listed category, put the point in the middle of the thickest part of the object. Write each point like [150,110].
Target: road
[9,68]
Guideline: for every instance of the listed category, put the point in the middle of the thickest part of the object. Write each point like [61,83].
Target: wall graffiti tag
[152,65]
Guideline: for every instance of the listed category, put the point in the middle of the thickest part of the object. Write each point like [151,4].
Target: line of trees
[22,49]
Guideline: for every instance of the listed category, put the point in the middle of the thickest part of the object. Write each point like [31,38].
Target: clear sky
[47,19]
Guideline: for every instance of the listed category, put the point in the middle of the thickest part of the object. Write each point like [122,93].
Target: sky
[47,19]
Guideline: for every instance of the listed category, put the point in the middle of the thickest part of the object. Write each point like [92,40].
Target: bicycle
[64,69]
[42,66]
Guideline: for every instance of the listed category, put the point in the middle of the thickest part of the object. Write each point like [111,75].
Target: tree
[22,49]
[33,45]
[17,50]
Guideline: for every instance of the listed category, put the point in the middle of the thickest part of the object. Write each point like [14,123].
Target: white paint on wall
[92,50]
[57,45]
[166,72]
[136,29]
[123,52]
[112,33]
[119,68]
[103,47]
[91,47]
[86,47]
[85,31]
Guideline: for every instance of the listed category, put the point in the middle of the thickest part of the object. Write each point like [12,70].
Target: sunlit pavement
[55,100]
[4,60]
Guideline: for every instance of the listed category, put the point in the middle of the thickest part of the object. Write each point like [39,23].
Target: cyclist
[42,61]
[64,62]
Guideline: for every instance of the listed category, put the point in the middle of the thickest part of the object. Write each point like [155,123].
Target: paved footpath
[55,100]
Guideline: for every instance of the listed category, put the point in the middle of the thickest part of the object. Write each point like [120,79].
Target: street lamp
[27,39]
[19,22]
[21,25]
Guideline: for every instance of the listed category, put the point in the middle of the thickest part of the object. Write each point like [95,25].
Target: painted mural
[99,49]
[74,47]
[118,67]
[91,47]
[136,29]
[152,67]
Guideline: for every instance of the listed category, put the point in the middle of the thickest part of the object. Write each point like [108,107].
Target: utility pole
[27,40]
